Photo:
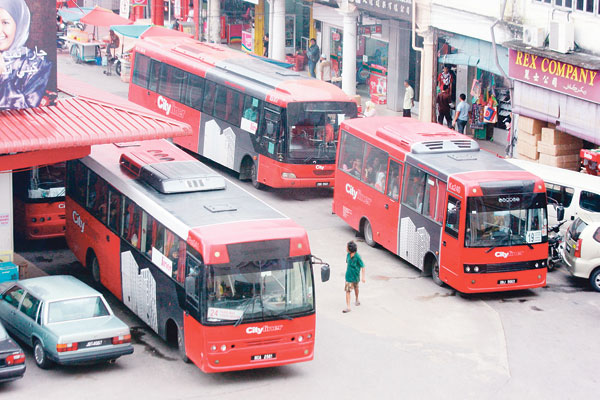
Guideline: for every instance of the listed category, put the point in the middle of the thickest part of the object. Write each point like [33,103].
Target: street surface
[408,339]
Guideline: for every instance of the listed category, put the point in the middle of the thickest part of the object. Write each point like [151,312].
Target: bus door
[193,332]
[271,131]
[450,250]
[391,213]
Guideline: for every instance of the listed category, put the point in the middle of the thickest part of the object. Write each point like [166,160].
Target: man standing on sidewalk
[443,103]
[355,271]
[409,99]
[313,54]
[462,114]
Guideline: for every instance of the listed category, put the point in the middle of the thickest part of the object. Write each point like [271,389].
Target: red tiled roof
[81,121]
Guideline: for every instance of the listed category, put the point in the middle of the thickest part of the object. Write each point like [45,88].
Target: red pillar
[197,12]
[158,12]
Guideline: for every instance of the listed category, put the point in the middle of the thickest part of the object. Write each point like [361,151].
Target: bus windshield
[313,129]
[506,220]
[258,290]
[46,182]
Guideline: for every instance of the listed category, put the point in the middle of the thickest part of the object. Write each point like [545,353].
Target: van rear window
[576,228]
[589,201]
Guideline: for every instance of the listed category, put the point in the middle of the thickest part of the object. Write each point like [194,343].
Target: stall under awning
[475,53]
[68,129]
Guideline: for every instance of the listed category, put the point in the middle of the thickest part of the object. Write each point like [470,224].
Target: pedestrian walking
[443,100]
[266,45]
[324,69]
[461,116]
[313,54]
[409,99]
[370,110]
[355,271]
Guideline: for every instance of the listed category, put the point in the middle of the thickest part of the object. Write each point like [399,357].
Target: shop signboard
[400,9]
[247,41]
[28,52]
[554,75]
[124,9]
[378,84]
[369,29]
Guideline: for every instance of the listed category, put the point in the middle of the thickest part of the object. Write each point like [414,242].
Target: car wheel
[254,175]
[595,280]
[40,356]
[435,273]
[368,234]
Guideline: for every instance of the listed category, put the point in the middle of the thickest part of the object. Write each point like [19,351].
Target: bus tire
[246,169]
[368,233]
[254,176]
[94,267]
[595,279]
[435,273]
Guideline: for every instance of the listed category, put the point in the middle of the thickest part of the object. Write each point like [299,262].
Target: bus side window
[171,82]
[175,251]
[154,75]
[141,69]
[131,223]
[414,187]
[208,103]
[441,197]
[393,183]
[114,210]
[193,267]
[452,217]
[352,155]
[97,197]
[430,198]
[78,181]
[221,103]
[374,167]
[235,104]
[194,91]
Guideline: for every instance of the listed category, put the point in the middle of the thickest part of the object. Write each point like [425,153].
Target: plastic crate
[8,271]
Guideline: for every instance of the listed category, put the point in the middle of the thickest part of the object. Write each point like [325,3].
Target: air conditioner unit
[534,36]
[562,36]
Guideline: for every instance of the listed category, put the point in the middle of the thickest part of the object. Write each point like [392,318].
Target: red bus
[429,194]
[270,124]
[209,267]
[39,202]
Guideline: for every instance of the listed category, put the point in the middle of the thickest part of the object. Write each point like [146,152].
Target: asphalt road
[408,339]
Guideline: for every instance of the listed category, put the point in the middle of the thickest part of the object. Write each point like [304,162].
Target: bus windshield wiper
[239,321]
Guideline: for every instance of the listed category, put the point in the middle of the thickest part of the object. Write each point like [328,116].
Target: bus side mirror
[451,220]
[560,213]
[325,272]
[190,283]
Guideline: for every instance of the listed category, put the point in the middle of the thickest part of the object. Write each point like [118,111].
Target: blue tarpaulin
[133,31]
[270,60]
[73,14]
[475,53]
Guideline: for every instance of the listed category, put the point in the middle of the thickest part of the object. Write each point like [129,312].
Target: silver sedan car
[64,320]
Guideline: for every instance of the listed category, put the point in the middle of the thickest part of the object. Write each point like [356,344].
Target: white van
[578,193]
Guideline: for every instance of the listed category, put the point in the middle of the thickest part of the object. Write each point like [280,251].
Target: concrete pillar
[350,16]
[426,96]
[398,63]
[277,40]
[214,21]
[6,217]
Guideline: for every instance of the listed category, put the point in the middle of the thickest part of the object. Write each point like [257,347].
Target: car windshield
[313,129]
[74,309]
[506,220]
[259,290]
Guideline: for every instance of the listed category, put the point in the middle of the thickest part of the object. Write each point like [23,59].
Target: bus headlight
[300,339]
[476,269]
[467,269]
[223,347]
[288,175]
[213,348]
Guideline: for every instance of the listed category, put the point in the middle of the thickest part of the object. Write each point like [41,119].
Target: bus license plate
[506,281]
[270,356]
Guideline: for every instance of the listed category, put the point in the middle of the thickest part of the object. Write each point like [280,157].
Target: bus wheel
[435,273]
[94,267]
[254,176]
[368,233]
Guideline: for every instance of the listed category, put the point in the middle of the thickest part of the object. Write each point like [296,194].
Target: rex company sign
[555,75]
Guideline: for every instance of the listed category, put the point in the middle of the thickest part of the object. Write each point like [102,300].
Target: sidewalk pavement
[27,269]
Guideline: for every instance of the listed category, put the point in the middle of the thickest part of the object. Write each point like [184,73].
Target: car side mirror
[560,213]
[325,272]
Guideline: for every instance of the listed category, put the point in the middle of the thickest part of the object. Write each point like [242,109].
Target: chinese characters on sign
[555,75]
[395,8]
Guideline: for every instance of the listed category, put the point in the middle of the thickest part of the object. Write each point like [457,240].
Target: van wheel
[40,356]
[254,176]
[435,273]
[368,233]
[94,267]
[595,280]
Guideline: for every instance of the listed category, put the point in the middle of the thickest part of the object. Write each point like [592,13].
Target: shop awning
[132,31]
[475,53]
[76,123]
[73,14]
[102,17]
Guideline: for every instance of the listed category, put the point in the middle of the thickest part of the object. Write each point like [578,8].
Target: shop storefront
[559,94]
[472,70]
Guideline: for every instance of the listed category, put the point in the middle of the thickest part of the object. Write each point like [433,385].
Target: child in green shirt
[355,271]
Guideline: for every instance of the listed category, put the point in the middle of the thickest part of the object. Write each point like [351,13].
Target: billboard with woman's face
[27,54]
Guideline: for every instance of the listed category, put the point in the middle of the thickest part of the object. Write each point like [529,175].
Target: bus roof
[440,150]
[240,70]
[205,211]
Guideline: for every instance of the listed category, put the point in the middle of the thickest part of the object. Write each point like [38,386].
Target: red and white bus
[430,195]
[203,263]
[39,202]
[270,124]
